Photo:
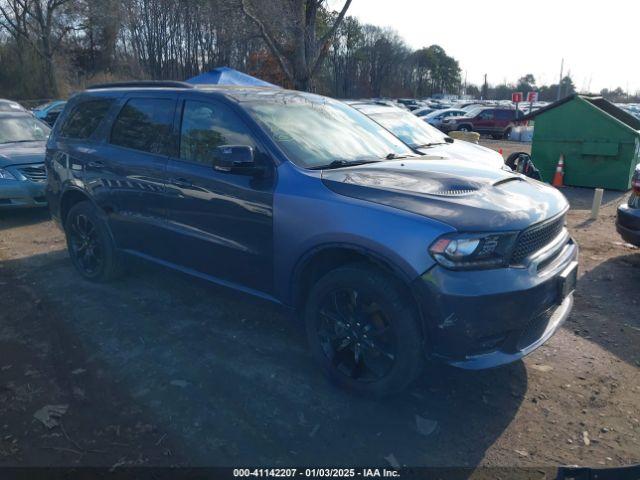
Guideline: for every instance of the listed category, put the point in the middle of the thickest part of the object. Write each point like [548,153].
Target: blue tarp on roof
[228,76]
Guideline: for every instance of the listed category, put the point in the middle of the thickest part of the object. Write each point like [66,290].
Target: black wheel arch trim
[376,258]
[101,211]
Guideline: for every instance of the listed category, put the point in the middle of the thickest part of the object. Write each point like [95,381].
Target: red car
[494,121]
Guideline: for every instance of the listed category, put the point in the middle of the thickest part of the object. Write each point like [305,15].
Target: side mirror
[234,158]
[449,139]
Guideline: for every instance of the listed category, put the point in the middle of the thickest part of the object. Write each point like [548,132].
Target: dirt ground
[163,369]
[507,147]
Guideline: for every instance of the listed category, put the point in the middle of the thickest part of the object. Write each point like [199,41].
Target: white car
[425,139]
[435,118]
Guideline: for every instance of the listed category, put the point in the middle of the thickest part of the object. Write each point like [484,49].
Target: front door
[221,222]
[484,122]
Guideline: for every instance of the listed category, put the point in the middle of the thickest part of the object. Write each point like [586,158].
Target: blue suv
[389,257]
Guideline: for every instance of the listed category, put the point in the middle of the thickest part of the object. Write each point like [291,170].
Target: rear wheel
[364,331]
[90,245]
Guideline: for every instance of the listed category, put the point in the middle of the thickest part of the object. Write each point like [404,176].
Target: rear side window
[145,124]
[505,114]
[85,118]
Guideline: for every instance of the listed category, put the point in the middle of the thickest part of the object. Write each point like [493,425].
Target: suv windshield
[316,132]
[409,128]
[22,129]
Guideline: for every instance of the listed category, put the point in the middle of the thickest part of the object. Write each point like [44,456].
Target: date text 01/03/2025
[315,472]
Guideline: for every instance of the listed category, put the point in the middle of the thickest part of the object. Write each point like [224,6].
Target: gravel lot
[162,369]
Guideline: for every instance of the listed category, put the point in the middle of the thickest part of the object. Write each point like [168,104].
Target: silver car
[22,150]
[435,118]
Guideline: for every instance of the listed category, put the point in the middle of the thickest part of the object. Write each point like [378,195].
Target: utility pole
[560,82]
[485,88]
[464,92]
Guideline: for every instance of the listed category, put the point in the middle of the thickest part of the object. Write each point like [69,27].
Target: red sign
[516,97]
[532,97]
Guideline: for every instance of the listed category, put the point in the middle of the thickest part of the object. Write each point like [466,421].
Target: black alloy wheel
[85,246]
[356,336]
[364,330]
[90,243]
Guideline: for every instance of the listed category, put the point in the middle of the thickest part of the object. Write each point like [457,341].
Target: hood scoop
[455,191]
[439,185]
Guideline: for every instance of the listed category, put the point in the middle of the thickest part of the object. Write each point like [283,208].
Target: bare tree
[40,23]
[295,42]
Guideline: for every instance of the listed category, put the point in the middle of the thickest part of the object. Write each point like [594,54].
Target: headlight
[469,251]
[6,175]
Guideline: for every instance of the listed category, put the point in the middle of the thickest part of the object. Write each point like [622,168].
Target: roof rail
[142,84]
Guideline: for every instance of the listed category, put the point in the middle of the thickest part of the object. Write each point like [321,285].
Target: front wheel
[89,243]
[464,128]
[364,330]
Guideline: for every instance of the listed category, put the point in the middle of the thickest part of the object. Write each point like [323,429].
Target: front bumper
[486,318]
[21,194]
[628,224]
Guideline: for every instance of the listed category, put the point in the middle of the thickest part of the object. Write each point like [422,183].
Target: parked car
[425,139]
[10,106]
[494,121]
[22,148]
[436,118]
[409,103]
[628,219]
[387,256]
[49,112]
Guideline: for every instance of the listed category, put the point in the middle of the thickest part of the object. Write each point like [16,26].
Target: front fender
[308,216]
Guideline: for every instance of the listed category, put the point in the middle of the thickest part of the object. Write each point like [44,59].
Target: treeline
[50,48]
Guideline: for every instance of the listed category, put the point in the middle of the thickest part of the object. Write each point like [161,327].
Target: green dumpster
[599,141]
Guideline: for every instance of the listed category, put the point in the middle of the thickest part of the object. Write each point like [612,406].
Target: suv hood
[468,198]
[470,152]
[19,153]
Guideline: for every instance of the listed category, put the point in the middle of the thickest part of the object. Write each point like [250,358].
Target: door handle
[181,182]
[95,164]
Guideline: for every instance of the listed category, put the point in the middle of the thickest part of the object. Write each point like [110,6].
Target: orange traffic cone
[558,178]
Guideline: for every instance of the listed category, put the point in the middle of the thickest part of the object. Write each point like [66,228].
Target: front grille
[536,237]
[35,173]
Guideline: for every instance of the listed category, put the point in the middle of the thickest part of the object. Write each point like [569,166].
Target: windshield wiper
[342,163]
[395,156]
[17,141]
[427,145]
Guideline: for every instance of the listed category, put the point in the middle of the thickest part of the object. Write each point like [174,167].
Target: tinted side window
[486,115]
[85,118]
[505,114]
[206,126]
[145,124]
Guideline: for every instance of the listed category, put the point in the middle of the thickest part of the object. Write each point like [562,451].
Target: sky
[506,40]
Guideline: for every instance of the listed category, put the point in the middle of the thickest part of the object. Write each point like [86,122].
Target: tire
[383,328]
[507,134]
[90,244]
[464,128]
[511,159]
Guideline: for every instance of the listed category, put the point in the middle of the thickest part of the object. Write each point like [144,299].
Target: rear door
[131,165]
[504,118]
